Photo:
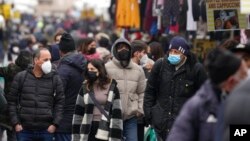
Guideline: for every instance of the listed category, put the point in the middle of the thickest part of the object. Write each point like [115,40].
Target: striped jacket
[109,130]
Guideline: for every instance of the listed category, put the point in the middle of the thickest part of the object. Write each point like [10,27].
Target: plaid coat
[109,129]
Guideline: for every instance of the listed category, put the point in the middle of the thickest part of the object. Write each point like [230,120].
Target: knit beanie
[179,43]
[221,64]
[67,43]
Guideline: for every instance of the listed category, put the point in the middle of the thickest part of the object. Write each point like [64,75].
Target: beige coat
[131,84]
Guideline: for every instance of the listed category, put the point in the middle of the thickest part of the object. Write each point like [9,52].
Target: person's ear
[35,60]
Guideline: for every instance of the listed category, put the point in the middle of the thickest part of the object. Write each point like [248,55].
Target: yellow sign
[16,15]
[225,15]
[202,47]
[87,14]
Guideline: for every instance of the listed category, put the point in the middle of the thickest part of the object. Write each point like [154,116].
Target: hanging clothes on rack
[171,9]
[191,24]
[199,10]
[182,20]
[127,14]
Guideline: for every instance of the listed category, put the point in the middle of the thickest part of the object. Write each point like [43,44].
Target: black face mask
[151,56]
[92,76]
[92,51]
[123,55]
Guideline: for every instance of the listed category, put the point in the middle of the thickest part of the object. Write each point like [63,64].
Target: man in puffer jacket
[131,84]
[36,100]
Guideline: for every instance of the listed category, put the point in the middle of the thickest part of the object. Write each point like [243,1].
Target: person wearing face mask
[200,115]
[36,100]
[32,45]
[172,81]
[89,121]
[88,49]
[131,84]
[140,57]
[71,69]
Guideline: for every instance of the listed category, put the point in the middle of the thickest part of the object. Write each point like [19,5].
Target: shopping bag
[150,135]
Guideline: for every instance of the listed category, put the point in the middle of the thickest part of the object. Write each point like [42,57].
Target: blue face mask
[174,59]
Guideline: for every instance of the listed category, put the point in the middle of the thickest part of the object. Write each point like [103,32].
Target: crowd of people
[98,90]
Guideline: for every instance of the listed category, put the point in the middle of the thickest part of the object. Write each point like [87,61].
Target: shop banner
[225,15]
[245,6]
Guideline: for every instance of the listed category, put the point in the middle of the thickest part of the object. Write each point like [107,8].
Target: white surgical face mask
[46,67]
[144,60]
[35,47]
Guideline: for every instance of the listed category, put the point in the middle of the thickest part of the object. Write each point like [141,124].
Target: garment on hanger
[171,8]
[199,10]
[191,24]
[128,14]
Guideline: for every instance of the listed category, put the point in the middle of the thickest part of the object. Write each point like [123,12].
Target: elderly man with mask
[173,80]
[198,117]
[131,84]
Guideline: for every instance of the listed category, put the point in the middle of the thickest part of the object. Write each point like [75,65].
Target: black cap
[67,43]
[221,64]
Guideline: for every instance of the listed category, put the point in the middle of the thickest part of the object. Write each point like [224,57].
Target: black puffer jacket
[40,106]
[167,90]
[8,73]
[70,69]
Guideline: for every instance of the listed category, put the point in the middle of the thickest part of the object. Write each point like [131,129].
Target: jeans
[62,137]
[27,135]
[130,129]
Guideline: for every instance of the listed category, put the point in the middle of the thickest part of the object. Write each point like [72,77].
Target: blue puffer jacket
[197,119]
[70,69]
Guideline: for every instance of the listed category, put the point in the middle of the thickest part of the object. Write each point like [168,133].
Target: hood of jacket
[24,59]
[115,45]
[75,60]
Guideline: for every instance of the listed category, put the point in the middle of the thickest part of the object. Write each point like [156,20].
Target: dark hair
[138,45]
[156,50]
[85,43]
[79,45]
[37,53]
[229,44]
[24,59]
[103,77]
[104,42]
[58,33]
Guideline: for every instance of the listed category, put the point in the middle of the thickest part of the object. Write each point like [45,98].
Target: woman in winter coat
[88,49]
[98,115]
